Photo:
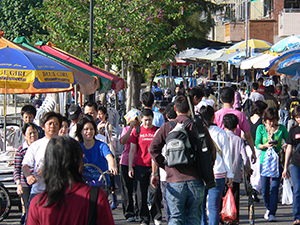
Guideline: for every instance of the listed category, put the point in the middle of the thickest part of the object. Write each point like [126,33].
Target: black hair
[294,93]
[296,111]
[80,124]
[230,121]
[65,119]
[170,112]
[233,86]
[258,107]
[48,115]
[63,163]
[181,104]
[270,89]
[255,86]
[104,110]
[90,104]
[29,109]
[148,99]
[207,113]
[196,91]
[227,94]
[147,112]
[271,113]
[206,92]
[260,79]
[26,125]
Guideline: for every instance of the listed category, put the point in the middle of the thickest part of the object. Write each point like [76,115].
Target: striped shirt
[18,174]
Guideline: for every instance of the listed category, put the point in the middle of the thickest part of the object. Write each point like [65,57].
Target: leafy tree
[142,33]
[17,18]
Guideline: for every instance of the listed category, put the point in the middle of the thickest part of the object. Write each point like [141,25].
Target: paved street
[284,214]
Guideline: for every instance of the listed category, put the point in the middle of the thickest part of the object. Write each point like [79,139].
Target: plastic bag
[287,194]
[229,212]
[270,166]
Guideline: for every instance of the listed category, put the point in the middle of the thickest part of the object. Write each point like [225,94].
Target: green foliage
[143,32]
[17,18]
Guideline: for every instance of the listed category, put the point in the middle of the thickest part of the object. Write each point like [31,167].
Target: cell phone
[274,142]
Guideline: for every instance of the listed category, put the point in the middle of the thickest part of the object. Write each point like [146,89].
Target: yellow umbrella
[252,43]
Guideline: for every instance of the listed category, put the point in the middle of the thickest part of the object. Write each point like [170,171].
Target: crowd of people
[50,159]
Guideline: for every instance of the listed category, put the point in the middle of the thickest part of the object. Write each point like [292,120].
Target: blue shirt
[158,119]
[97,155]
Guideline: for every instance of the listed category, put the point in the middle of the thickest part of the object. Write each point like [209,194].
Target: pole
[92,96]
[246,18]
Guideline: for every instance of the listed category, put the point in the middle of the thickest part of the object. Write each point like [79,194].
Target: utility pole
[246,24]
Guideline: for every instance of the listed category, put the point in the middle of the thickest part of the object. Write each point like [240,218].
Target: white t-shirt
[34,158]
[255,96]
[73,128]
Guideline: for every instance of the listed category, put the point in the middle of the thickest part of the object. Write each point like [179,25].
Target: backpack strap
[172,123]
[138,131]
[93,205]
[186,123]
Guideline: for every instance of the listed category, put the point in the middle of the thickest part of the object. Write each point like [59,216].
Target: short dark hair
[255,86]
[48,115]
[258,107]
[296,111]
[29,109]
[260,79]
[65,119]
[207,113]
[270,89]
[294,93]
[181,104]
[64,158]
[147,112]
[148,99]
[26,125]
[90,104]
[206,92]
[170,112]
[230,121]
[102,108]
[271,113]
[227,94]
[196,91]
[84,120]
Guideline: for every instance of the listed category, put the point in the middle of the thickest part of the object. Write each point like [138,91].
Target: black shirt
[253,127]
[294,139]
[291,104]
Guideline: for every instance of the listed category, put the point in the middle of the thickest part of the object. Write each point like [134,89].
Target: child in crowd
[28,113]
[237,149]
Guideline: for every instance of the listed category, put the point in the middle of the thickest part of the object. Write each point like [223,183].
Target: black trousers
[142,176]
[127,187]
[236,196]
[25,196]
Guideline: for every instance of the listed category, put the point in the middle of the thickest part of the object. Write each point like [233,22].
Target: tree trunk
[151,77]
[129,88]
[136,86]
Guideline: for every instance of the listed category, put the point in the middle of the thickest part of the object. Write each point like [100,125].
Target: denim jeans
[214,203]
[283,117]
[185,202]
[269,190]
[295,173]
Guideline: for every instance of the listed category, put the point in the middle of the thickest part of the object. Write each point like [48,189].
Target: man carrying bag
[185,182]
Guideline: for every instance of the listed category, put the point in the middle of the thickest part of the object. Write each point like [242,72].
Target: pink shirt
[243,122]
[125,154]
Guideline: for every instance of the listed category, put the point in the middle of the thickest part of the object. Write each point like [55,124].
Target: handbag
[287,193]
[270,166]
[229,212]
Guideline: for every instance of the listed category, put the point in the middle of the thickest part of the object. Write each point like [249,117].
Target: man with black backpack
[185,188]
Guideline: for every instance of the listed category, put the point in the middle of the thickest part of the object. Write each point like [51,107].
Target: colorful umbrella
[290,42]
[19,68]
[287,58]
[254,44]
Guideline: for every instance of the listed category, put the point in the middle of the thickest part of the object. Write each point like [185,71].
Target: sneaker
[157,222]
[266,216]
[272,218]
[113,206]
[131,219]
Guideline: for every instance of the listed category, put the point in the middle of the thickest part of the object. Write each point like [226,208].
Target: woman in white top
[222,167]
